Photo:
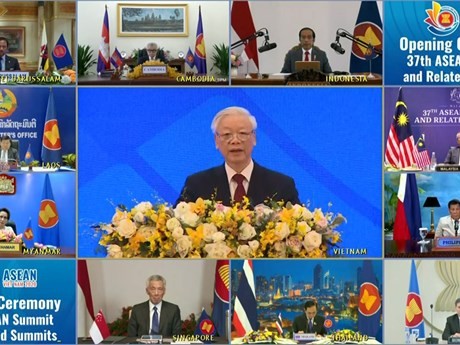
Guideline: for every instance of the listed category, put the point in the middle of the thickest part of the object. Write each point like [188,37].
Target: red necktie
[307,58]
[240,192]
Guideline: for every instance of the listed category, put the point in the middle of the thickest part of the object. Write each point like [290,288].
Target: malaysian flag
[399,151]
[279,324]
[421,155]
[245,313]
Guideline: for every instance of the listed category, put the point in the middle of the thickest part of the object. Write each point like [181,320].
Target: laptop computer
[301,65]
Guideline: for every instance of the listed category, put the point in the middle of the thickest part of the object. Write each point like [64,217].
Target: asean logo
[442,20]
[8,103]
[59,51]
[371,34]
[414,312]
[207,327]
[51,138]
[200,49]
[369,299]
[48,215]
[328,323]
[223,283]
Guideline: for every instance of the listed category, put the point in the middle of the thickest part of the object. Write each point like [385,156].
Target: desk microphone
[337,46]
[431,339]
[267,46]
[456,227]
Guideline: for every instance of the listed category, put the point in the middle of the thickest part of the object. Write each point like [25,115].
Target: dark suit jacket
[263,183]
[143,56]
[170,322]
[11,64]
[295,54]
[453,155]
[301,324]
[452,327]
[12,154]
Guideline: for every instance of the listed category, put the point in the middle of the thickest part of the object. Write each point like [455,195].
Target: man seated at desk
[7,63]
[453,156]
[7,152]
[309,321]
[448,226]
[452,328]
[151,53]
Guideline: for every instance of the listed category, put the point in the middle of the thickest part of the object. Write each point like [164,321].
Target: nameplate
[447,243]
[14,76]
[150,339]
[453,340]
[304,337]
[154,70]
[448,168]
[7,247]
[7,184]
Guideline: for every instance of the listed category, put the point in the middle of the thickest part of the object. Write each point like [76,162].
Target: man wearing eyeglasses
[450,225]
[151,53]
[155,316]
[234,131]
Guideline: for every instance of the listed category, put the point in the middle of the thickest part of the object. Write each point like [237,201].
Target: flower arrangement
[207,228]
[10,236]
[235,60]
[137,71]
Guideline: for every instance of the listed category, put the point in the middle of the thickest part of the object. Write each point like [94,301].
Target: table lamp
[431,202]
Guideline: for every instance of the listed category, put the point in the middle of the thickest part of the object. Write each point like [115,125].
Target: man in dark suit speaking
[7,63]
[452,328]
[234,131]
[309,321]
[7,153]
[155,316]
[306,51]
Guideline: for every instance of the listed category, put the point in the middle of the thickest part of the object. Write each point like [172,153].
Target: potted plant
[85,59]
[220,58]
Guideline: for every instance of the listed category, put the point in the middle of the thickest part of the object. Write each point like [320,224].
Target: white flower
[217,250]
[114,251]
[280,247]
[254,245]
[107,227]
[172,223]
[190,218]
[244,251]
[262,210]
[246,232]
[218,237]
[118,216]
[312,240]
[294,243]
[282,230]
[181,209]
[177,232]
[303,228]
[208,231]
[143,206]
[183,244]
[126,228]
[301,212]
[139,218]
[65,79]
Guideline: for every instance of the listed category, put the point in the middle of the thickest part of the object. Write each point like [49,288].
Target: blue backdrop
[140,144]
[53,281]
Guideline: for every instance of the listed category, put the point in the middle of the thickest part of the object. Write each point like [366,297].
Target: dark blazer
[12,154]
[11,64]
[143,56]
[295,54]
[170,322]
[453,155]
[452,327]
[264,183]
[301,324]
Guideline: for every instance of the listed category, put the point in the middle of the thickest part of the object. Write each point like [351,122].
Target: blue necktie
[155,324]
[3,63]
[310,326]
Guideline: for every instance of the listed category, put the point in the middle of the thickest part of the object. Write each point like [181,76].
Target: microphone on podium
[431,339]
[337,46]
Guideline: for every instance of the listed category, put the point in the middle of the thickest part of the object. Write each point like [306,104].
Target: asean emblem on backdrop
[442,20]
[370,302]
[8,103]
[51,138]
[48,215]
[371,34]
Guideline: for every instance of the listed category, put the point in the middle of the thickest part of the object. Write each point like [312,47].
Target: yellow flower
[198,207]
[286,215]
[196,236]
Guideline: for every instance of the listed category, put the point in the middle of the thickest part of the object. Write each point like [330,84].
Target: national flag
[369,302]
[279,324]
[200,48]
[29,157]
[116,59]
[243,26]
[28,235]
[43,61]
[51,143]
[61,54]
[408,218]
[368,28]
[85,300]
[190,58]
[245,311]
[399,151]
[221,296]
[414,310]
[103,58]
[48,216]
[204,325]
[421,155]
[99,329]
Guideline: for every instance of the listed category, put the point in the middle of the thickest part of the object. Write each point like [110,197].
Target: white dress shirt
[246,172]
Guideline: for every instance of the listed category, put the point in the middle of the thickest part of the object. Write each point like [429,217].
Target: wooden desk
[412,249]
[65,253]
[98,81]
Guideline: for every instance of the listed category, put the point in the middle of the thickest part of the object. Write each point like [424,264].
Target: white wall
[121,283]
[284,19]
[396,279]
[215,18]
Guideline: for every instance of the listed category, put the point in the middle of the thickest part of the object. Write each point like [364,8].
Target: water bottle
[407,337]
[433,161]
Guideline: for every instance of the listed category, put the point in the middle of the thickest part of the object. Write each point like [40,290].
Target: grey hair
[224,112]
[151,44]
[155,278]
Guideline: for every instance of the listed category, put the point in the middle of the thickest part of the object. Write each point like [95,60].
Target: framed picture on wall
[145,20]
[16,39]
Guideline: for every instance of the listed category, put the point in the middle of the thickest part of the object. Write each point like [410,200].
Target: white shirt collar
[246,172]
[151,305]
